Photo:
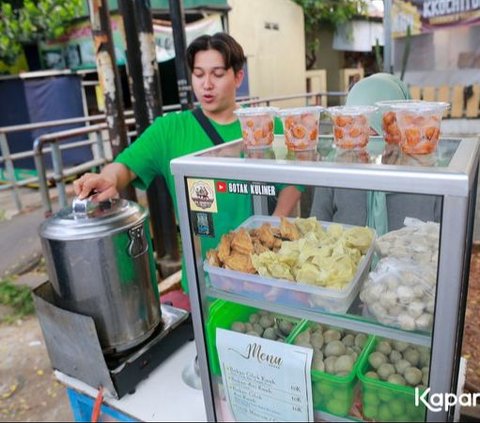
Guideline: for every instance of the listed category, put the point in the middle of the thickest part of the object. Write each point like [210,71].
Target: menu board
[265,380]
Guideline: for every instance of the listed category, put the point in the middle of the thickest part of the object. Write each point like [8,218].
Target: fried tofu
[239,262]
[241,242]
[265,235]
[258,247]
[224,247]
[288,230]
[212,258]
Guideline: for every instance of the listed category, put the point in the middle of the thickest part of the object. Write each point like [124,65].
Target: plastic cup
[391,131]
[419,124]
[300,127]
[257,126]
[351,128]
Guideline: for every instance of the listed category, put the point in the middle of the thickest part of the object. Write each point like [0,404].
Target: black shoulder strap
[207,126]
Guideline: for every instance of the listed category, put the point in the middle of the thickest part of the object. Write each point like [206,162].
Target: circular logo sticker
[202,195]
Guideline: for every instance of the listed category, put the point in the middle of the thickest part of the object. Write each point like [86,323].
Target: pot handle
[88,206]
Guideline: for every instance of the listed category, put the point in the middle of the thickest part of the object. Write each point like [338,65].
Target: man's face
[213,85]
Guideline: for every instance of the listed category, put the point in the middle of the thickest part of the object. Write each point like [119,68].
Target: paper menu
[265,380]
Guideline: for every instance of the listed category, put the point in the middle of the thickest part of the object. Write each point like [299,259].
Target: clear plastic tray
[292,294]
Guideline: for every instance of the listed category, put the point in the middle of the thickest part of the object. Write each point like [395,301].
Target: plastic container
[384,401]
[419,125]
[351,128]
[300,127]
[221,315]
[257,126]
[331,393]
[391,131]
[292,294]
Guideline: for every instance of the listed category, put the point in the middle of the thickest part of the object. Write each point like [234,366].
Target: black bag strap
[207,126]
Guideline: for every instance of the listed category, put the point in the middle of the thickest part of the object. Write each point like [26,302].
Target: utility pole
[184,82]
[144,79]
[109,79]
[387,36]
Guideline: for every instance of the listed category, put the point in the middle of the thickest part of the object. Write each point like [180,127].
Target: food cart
[277,337]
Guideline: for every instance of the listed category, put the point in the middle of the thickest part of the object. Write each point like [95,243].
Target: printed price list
[265,380]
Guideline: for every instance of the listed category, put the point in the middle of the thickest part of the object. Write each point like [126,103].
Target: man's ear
[239,78]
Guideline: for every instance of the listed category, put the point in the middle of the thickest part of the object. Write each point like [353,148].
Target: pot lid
[90,219]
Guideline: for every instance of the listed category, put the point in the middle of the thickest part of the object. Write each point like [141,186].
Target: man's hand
[93,183]
[113,178]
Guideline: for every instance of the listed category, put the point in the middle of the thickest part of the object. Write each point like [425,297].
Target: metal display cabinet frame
[455,181]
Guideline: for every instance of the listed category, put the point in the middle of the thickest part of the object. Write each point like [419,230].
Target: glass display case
[355,303]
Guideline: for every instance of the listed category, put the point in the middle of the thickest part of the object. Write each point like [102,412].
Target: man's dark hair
[226,45]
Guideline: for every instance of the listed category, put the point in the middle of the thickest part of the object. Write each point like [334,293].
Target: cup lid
[419,106]
[390,103]
[254,111]
[351,110]
[300,110]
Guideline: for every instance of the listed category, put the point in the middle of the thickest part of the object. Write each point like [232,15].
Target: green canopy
[162,5]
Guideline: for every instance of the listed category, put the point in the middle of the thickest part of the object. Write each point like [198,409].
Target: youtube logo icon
[221,186]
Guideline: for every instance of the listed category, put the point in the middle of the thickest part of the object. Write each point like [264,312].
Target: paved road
[20,246]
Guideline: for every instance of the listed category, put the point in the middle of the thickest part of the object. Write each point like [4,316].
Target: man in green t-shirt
[217,64]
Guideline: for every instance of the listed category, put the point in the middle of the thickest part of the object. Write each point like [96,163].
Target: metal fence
[97,138]
[7,159]
[60,173]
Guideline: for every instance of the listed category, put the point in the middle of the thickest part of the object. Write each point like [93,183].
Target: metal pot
[100,263]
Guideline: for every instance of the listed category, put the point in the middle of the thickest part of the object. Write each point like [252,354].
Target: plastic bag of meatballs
[401,293]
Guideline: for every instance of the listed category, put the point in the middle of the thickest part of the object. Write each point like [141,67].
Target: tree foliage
[32,21]
[326,13]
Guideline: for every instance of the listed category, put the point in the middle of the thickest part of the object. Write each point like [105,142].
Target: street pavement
[20,247]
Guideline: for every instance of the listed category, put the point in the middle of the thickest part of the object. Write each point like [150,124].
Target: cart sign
[252,188]
[265,380]
[429,15]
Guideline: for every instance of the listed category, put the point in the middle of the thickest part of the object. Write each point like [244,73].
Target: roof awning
[162,5]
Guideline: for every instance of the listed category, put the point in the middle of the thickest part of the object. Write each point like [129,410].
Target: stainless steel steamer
[100,263]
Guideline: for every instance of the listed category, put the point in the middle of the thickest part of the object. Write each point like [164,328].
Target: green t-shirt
[175,135]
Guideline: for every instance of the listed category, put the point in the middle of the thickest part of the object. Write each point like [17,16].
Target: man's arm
[113,178]
[287,200]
